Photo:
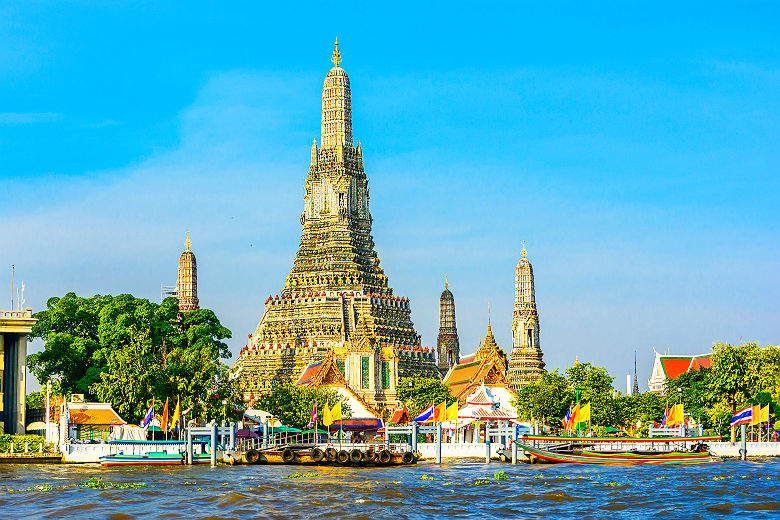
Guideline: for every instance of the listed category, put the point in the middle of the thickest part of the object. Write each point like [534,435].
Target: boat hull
[587,457]
[151,460]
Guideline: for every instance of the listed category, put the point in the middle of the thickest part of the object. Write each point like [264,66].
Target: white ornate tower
[526,363]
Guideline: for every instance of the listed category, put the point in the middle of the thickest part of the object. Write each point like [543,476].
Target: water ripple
[449,491]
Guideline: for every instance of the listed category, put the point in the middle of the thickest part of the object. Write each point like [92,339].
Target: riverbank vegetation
[738,376]
[128,351]
[293,404]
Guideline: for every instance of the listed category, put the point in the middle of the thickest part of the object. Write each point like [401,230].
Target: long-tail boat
[575,450]
[154,458]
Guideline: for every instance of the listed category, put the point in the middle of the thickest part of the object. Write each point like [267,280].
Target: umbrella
[285,429]
[247,433]
[37,425]
[154,428]
[315,431]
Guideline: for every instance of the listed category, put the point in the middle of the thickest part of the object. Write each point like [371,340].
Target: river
[426,491]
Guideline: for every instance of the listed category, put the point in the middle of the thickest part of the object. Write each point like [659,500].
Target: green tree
[127,350]
[418,392]
[293,404]
[596,388]
[734,374]
[693,393]
[550,396]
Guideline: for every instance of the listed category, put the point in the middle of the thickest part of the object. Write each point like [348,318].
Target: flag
[584,415]
[678,414]
[327,418]
[440,411]
[149,415]
[335,412]
[176,414]
[666,417]
[764,414]
[567,418]
[575,416]
[313,418]
[426,415]
[452,412]
[756,412]
[744,416]
[164,420]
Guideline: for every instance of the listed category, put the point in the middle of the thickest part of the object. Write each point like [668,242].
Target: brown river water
[425,491]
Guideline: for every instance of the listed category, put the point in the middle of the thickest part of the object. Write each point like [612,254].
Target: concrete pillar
[189,446]
[232,436]
[743,451]
[438,443]
[387,437]
[214,443]
[487,449]
[265,434]
[414,436]
[512,439]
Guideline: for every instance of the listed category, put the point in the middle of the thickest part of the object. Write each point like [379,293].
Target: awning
[357,424]
[497,414]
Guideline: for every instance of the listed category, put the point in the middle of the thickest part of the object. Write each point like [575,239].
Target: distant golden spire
[336,59]
[187,242]
[488,316]
[446,285]
[576,361]
[524,252]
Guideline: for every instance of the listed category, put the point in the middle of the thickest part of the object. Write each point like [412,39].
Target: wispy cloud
[26,118]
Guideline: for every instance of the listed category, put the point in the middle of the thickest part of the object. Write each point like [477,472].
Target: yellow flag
[335,412]
[452,412]
[584,413]
[176,414]
[764,415]
[678,414]
[327,417]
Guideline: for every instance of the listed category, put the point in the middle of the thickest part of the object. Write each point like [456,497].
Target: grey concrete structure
[14,328]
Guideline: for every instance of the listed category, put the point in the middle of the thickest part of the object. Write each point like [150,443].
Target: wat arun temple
[337,301]
[337,307]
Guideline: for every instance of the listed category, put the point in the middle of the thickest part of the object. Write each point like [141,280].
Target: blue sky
[634,149]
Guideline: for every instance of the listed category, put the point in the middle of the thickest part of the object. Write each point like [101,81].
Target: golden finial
[524,252]
[336,59]
[488,315]
[187,242]
[576,361]
[446,285]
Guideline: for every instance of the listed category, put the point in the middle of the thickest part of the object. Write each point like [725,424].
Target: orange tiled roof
[674,366]
[309,375]
[94,416]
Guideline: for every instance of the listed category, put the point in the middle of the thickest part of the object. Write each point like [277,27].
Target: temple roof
[675,366]
[93,413]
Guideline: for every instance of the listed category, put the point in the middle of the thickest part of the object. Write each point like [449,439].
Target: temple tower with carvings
[525,363]
[336,298]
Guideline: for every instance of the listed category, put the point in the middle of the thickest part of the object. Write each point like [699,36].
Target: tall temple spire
[636,381]
[187,280]
[336,106]
[448,345]
[526,363]
[336,299]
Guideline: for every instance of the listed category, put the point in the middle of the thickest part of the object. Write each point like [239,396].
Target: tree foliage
[293,404]
[418,392]
[127,350]
[550,397]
